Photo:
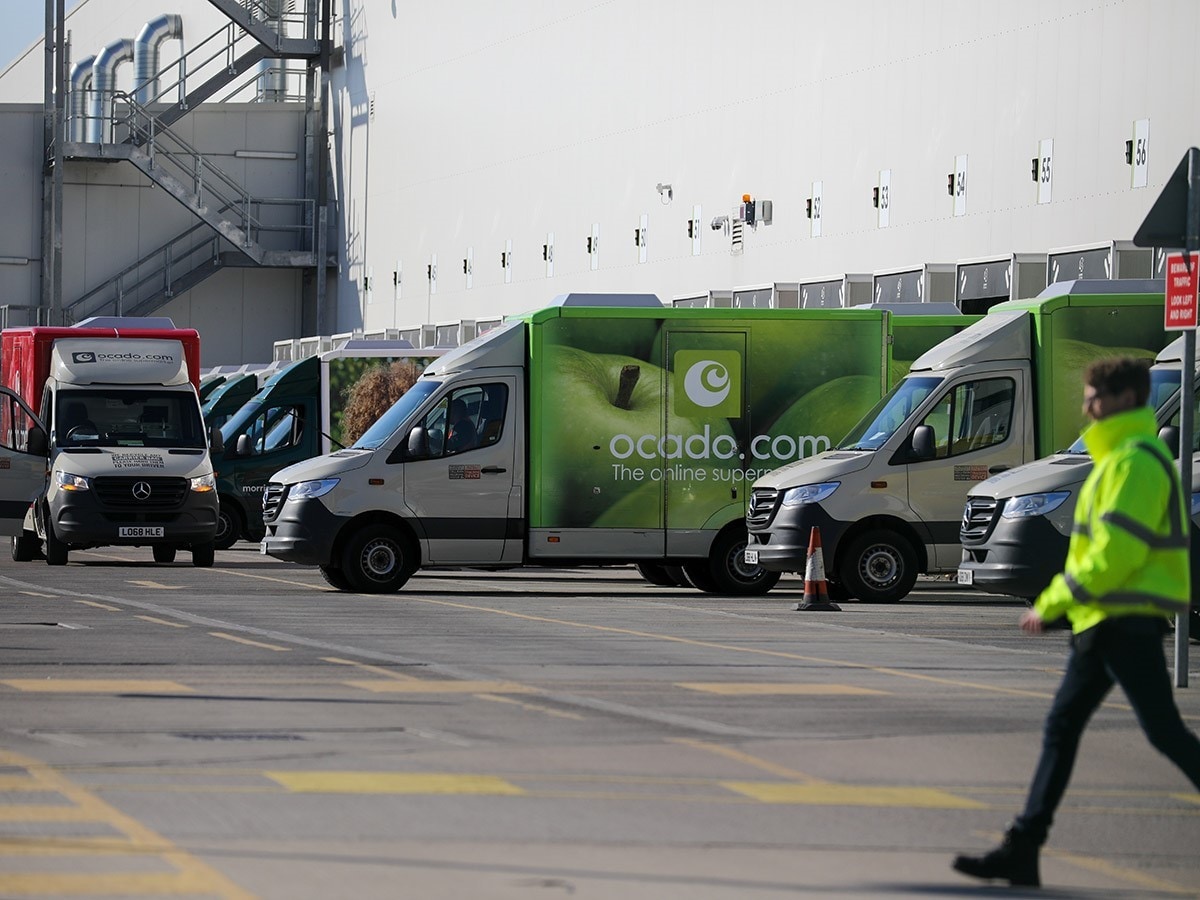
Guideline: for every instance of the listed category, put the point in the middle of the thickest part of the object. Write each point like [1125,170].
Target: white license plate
[136,531]
[966,576]
[751,557]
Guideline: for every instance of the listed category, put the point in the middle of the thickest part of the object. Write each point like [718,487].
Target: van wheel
[878,567]
[377,560]
[56,550]
[335,578]
[229,526]
[203,555]
[25,547]
[164,554]
[677,575]
[726,572]
[656,574]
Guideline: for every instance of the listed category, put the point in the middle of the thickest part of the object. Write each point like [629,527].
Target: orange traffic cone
[816,591]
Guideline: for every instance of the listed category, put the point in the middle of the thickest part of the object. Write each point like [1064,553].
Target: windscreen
[128,417]
[1164,383]
[400,411]
[889,414]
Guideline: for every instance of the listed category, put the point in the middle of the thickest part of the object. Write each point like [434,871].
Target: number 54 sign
[1182,291]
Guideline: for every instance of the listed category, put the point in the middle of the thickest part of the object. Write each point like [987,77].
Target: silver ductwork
[104,85]
[146,50]
[273,82]
[80,96]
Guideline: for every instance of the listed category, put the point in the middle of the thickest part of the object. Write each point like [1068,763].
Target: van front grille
[273,498]
[135,493]
[979,517]
[763,502]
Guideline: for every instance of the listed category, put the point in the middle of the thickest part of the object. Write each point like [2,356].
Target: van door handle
[493,470]
[996,470]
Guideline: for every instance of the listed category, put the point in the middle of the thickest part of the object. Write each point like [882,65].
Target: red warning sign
[1183,291]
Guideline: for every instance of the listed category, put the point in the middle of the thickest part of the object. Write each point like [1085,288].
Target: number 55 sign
[1182,295]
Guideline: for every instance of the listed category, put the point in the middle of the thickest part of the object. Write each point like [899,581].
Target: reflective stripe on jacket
[1129,545]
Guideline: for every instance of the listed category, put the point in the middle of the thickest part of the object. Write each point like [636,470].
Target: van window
[467,419]
[972,416]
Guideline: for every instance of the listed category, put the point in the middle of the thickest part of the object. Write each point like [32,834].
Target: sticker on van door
[970,473]
[458,473]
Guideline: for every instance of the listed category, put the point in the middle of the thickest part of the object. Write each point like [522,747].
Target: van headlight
[202,484]
[1195,505]
[1034,504]
[310,490]
[68,482]
[809,493]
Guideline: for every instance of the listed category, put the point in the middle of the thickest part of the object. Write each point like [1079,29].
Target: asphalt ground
[246,731]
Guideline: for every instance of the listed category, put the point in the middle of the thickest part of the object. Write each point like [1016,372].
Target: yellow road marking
[378,670]
[734,689]
[100,605]
[748,759]
[25,812]
[36,594]
[158,586]
[532,707]
[303,584]
[1186,798]
[393,783]
[826,794]
[248,642]
[95,686]
[74,845]
[755,651]
[193,875]
[427,686]
[158,621]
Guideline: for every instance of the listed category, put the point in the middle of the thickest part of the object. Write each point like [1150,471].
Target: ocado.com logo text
[703,445]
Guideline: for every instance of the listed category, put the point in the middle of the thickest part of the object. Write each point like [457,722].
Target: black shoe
[1015,861]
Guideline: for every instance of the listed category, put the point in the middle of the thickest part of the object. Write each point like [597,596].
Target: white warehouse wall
[468,125]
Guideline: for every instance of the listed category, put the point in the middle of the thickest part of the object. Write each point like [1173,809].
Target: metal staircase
[234,227]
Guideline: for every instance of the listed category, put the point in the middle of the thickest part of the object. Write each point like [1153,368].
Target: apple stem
[629,380]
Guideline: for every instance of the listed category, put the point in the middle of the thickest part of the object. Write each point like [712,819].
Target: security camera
[719,222]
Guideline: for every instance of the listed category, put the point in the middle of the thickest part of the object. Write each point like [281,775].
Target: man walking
[1126,571]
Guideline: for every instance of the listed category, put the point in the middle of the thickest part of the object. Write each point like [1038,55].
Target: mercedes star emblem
[141,490]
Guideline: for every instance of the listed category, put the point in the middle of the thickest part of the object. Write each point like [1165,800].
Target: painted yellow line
[825,794]
[19,783]
[533,707]
[735,689]
[194,876]
[294,583]
[427,686]
[75,845]
[26,812]
[36,594]
[1186,798]
[158,621]
[748,759]
[735,648]
[100,605]
[95,686]
[249,643]
[378,670]
[96,884]
[157,586]
[393,783]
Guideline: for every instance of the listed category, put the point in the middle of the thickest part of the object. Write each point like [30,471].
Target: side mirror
[923,443]
[242,447]
[37,442]
[1169,435]
[216,441]
[418,442]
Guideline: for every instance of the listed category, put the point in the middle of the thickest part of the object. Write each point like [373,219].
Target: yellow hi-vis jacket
[1129,545]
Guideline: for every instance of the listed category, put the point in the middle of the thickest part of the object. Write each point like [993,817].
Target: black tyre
[878,567]
[837,591]
[656,574]
[335,578]
[203,555]
[164,554]
[229,525]
[56,550]
[377,559]
[726,571]
[25,547]
[677,575]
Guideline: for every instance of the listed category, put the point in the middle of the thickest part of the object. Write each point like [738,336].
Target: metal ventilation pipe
[81,85]
[146,54]
[104,85]
[273,83]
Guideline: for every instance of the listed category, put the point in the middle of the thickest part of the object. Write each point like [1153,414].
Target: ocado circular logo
[707,383]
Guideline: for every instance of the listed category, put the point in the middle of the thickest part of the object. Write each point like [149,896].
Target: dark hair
[1123,373]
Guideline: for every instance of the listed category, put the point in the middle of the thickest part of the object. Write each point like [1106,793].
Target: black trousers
[1129,652]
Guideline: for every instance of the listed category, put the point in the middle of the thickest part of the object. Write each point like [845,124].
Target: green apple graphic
[601,436]
[1071,358]
[830,410]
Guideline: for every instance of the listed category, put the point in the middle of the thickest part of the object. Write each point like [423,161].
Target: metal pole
[47,176]
[1187,398]
[60,134]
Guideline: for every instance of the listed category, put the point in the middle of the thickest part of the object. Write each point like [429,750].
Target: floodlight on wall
[263,154]
[1036,168]
[665,193]
[14,260]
